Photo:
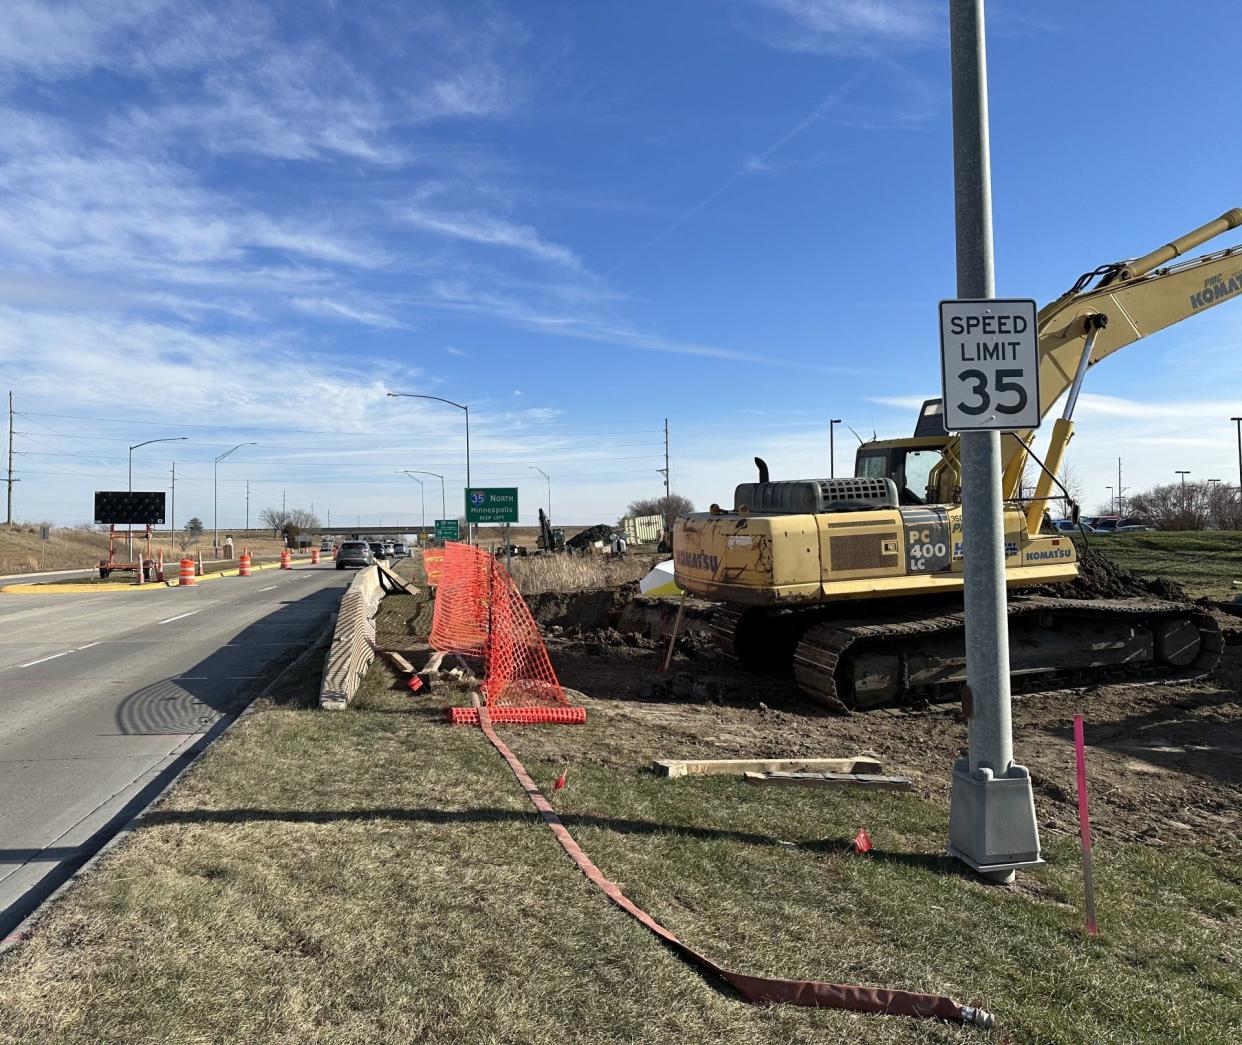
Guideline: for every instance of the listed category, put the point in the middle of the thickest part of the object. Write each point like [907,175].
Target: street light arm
[166,439]
[438,399]
[234,450]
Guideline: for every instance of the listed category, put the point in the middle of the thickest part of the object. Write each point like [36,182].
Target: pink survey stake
[1084,824]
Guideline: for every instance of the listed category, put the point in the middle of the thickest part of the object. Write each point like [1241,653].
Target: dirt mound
[582,540]
[1101,578]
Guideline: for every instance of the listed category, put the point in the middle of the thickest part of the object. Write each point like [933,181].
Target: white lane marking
[41,660]
[272,587]
[180,616]
[87,646]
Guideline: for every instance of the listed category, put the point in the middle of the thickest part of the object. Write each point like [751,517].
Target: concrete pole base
[992,827]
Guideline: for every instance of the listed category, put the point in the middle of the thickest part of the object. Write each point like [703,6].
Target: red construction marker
[862,841]
[560,780]
[1084,825]
[416,683]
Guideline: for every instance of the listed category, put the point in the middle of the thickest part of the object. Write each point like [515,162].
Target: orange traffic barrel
[286,560]
[243,564]
[314,556]
[187,572]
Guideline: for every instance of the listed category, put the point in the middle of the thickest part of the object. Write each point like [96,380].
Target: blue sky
[245,221]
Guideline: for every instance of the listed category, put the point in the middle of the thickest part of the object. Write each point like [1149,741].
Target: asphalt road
[101,696]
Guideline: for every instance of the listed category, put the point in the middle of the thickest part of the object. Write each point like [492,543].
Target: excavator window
[910,470]
[916,475]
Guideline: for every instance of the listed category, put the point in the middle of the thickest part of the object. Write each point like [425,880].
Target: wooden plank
[859,781]
[679,767]
[399,660]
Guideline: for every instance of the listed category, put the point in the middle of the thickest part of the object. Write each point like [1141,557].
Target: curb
[55,588]
[189,757]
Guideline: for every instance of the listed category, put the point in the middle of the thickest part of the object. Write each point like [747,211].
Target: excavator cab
[922,468]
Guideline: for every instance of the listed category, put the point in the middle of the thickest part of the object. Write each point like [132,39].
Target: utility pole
[666,473]
[282,503]
[247,504]
[172,511]
[1237,420]
[992,826]
[1119,487]
[11,480]
[832,447]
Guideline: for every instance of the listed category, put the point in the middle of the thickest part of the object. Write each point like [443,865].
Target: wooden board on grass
[859,781]
[679,767]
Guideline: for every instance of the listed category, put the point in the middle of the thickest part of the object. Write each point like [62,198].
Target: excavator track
[887,660]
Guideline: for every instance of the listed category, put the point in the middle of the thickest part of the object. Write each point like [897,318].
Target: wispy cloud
[841,26]
[489,230]
[333,309]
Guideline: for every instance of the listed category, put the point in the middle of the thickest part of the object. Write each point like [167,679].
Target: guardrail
[353,641]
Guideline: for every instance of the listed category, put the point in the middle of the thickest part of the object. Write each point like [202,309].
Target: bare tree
[274,518]
[1174,506]
[1071,481]
[669,507]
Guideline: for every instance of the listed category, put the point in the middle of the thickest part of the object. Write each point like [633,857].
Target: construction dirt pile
[582,540]
[1101,578]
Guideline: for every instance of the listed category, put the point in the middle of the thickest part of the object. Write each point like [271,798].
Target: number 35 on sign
[989,354]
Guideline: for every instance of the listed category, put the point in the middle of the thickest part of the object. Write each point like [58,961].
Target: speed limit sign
[989,354]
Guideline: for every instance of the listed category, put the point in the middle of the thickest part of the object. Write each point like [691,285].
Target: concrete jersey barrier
[353,642]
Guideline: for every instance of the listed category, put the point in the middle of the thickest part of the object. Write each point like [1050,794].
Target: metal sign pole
[992,815]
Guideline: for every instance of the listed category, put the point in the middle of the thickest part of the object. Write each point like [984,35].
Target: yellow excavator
[855,584]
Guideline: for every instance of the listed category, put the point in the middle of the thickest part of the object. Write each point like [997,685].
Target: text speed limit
[989,353]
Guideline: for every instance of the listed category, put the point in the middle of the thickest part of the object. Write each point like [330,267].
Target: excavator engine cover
[815,496]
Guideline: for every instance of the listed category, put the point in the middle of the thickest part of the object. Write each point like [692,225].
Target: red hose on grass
[760,989]
[526,716]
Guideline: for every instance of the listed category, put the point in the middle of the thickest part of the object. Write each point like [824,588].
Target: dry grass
[573,573]
[376,876]
[22,551]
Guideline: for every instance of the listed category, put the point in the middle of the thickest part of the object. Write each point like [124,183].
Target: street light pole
[129,538]
[443,508]
[1112,501]
[215,496]
[549,478]
[422,503]
[460,406]
[832,447]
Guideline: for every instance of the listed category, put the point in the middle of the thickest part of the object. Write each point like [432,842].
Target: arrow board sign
[989,355]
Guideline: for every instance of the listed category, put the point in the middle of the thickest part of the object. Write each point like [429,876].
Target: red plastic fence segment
[556,716]
[480,612]
[519,671]
[433,565]
[760,989]
[460,623]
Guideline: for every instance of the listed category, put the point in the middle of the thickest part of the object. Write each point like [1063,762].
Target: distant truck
[642,529]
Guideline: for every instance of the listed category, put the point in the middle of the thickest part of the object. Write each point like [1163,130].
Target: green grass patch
[1204,562]
[377,876]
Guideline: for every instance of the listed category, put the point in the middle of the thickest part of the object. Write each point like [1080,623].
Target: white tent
[660,581]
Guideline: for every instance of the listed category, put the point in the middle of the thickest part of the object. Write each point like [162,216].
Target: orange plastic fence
[518,669]
[460,622]
[566,716]
[479,612]
[433,563]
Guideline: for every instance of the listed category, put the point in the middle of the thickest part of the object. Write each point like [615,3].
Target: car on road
[377,549]
[354,553]
[326,546]
[390,549]
[400,548]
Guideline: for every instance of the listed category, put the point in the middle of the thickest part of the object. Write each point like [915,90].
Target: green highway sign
[492,504]
[447,530]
